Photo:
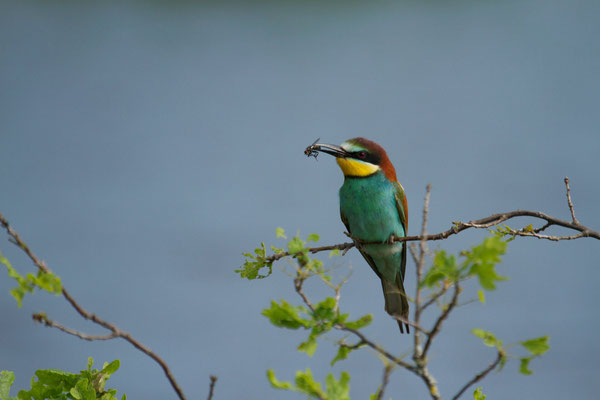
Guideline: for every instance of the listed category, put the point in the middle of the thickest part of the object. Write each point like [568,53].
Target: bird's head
[358,157]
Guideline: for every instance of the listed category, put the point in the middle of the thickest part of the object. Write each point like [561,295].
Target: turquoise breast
[369,206]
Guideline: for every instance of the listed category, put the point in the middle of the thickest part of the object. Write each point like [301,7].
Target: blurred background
[146,145]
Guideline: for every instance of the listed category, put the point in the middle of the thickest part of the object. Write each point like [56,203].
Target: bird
[374,210]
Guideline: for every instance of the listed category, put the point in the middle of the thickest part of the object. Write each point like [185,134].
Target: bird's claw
[356,241]
[390,240]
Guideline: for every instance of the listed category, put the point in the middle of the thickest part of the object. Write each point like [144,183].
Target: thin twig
[438,323]
[384,381]
[376,347]
[117,332]
[570,202]
[213,381]
[420,265]
[435,297]
[43,319]
[480,375]
[411,323]
[412,247]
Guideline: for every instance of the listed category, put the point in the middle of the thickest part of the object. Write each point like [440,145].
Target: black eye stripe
[365,156]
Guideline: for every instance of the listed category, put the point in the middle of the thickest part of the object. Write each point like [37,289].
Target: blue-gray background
[145,145]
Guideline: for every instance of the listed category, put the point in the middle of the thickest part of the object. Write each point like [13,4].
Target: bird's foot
[390,240]
[357,242]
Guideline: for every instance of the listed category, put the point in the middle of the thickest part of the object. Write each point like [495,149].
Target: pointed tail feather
[396,303]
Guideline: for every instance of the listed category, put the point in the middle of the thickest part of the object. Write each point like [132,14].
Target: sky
[145,146]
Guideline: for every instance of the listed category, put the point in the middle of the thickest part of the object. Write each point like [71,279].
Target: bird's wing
[403,213]
[367,257]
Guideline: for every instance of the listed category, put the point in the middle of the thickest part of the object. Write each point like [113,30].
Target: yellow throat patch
[352,167]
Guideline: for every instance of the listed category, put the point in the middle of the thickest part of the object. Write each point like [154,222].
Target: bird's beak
[331,149]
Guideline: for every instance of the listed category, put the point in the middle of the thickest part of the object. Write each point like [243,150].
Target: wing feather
[367,257]
[403,212]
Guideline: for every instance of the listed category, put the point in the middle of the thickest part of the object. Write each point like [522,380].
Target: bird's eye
[362,154]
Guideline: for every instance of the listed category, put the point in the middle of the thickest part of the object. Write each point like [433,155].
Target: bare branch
[480,375]
[441,318]
[213,381]
[435,297]
[570,202]
[384,381]
[43,319]
[116,332]
[411,323]
[420,265]
[412,247]
[376,347]
[430,381]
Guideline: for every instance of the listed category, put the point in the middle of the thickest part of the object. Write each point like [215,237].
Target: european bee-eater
[373,208]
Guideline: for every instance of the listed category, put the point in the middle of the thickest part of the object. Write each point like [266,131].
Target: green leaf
[524,368]
[277,384]
[313,237]
[481,260]
[342,354]
[90,362]
[502,363]
[277,250]
[46,281]
[81,390]
[296,245]
[23,286]
[481,296]
[280,233]
[478,395]
[334,252]
[309,347]
[253,264]
[324,309]
[338,390]
[112,367]
[444,267]
[537,346]
[360,323]
[488,337]
[55,376]
[286,315]
[306,384]
[6,381]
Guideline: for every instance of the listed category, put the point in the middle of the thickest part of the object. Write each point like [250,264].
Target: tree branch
[384,381]
[43,319]
[482,223]
[213,381]
[115,331]
[420,266]
[480,375]
[441,318]
[569,201]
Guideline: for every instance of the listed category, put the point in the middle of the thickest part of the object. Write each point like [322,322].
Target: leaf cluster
[60,385]
[479,262]
[296,248]
[318,321]
[305,383]
[534,347]
[26,284]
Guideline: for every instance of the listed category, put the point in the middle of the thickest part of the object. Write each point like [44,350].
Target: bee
[310,152]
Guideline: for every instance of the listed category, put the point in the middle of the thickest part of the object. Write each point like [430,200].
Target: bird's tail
[396,303]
